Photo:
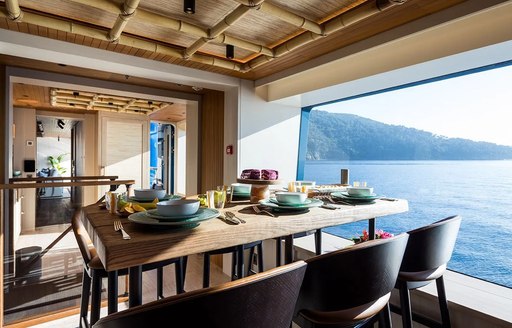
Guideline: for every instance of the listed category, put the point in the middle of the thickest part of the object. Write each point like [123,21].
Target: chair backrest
[352,276]
[431,246]
[259,301]
[82,237]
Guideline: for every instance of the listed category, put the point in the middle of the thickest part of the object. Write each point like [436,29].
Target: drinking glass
[216,198]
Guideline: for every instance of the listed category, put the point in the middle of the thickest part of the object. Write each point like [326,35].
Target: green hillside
[349,137]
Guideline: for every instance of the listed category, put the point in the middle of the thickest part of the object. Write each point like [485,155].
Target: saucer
[275,201]
[345,195]
[312,203]
[153,213]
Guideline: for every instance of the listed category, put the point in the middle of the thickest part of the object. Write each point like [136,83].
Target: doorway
[162,156]
[54,205]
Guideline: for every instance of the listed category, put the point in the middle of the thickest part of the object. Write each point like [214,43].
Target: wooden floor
[68,317]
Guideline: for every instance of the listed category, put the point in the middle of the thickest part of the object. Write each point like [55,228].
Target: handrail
[74,178]
[66,184]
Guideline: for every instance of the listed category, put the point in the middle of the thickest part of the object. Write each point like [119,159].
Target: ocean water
[479,191]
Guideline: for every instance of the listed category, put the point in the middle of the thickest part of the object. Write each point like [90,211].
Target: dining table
[150,244]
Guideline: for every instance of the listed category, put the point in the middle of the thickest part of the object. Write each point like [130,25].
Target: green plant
[55,163]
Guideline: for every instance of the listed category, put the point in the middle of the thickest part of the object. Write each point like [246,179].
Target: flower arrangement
[379,234]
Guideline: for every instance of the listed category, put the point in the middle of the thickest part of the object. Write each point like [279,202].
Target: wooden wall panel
[212,140]
[3,179]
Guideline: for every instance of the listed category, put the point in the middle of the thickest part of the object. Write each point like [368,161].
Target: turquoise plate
[146,200]
[345,195]
[200,213]
[313,203]
[142,218]
[275,201]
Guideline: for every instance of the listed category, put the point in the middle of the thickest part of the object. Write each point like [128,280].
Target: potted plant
[55,163]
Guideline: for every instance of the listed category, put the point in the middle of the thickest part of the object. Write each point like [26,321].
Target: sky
[476,106]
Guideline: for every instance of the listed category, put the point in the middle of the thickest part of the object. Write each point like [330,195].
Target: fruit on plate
[138,208]
[132,207]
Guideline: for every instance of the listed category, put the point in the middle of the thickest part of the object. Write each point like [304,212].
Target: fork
[119,226]
[258,211]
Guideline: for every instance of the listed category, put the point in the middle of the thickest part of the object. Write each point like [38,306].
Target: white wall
[269,134]
[25,199]
[51,146]
[180,170]
[192,149]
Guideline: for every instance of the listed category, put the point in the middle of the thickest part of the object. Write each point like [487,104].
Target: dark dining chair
[428,251]
[94,272]
[237,260]
[262,300]
[350,287]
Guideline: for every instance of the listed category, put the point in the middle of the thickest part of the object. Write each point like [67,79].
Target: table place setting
[286,201]
[178,213]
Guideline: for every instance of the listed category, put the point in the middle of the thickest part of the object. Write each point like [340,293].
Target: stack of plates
[152,217]
[308,203]
[344,196]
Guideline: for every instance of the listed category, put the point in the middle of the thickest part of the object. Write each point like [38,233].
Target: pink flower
[379,234]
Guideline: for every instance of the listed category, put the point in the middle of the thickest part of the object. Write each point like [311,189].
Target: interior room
[104,100]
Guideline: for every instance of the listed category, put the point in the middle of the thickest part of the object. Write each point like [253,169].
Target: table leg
[371,228]
[135,297]
[240,261]
[288,249]
[278,251]
[112,292]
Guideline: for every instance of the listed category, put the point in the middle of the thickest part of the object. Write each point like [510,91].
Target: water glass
[216,198]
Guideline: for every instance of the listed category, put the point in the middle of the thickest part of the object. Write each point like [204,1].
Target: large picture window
[444,145]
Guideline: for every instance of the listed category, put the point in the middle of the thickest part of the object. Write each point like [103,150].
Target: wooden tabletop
[149,244]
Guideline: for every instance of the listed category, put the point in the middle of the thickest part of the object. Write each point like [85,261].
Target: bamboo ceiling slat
[278,24]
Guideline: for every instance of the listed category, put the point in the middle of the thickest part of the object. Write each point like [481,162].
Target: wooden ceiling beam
[143,16]
[96,33]
[285,15]
[216,30]
[335,24]
[127,12]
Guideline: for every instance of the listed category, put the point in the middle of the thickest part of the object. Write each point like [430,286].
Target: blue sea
[479,191]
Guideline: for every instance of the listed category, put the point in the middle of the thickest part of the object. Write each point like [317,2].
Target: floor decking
[68,317]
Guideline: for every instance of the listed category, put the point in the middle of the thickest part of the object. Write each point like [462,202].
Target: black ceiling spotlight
[230,51]
[60,123]
[189,6]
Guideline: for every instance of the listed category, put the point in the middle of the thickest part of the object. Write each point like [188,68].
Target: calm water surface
[479,191]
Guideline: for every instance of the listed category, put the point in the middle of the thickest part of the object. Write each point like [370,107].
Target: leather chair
[237,253]
[94,272]
[262,300]
[428,251]
[351,287]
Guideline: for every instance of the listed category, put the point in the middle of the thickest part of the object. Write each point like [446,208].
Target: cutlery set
[231,218]
[258,211]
